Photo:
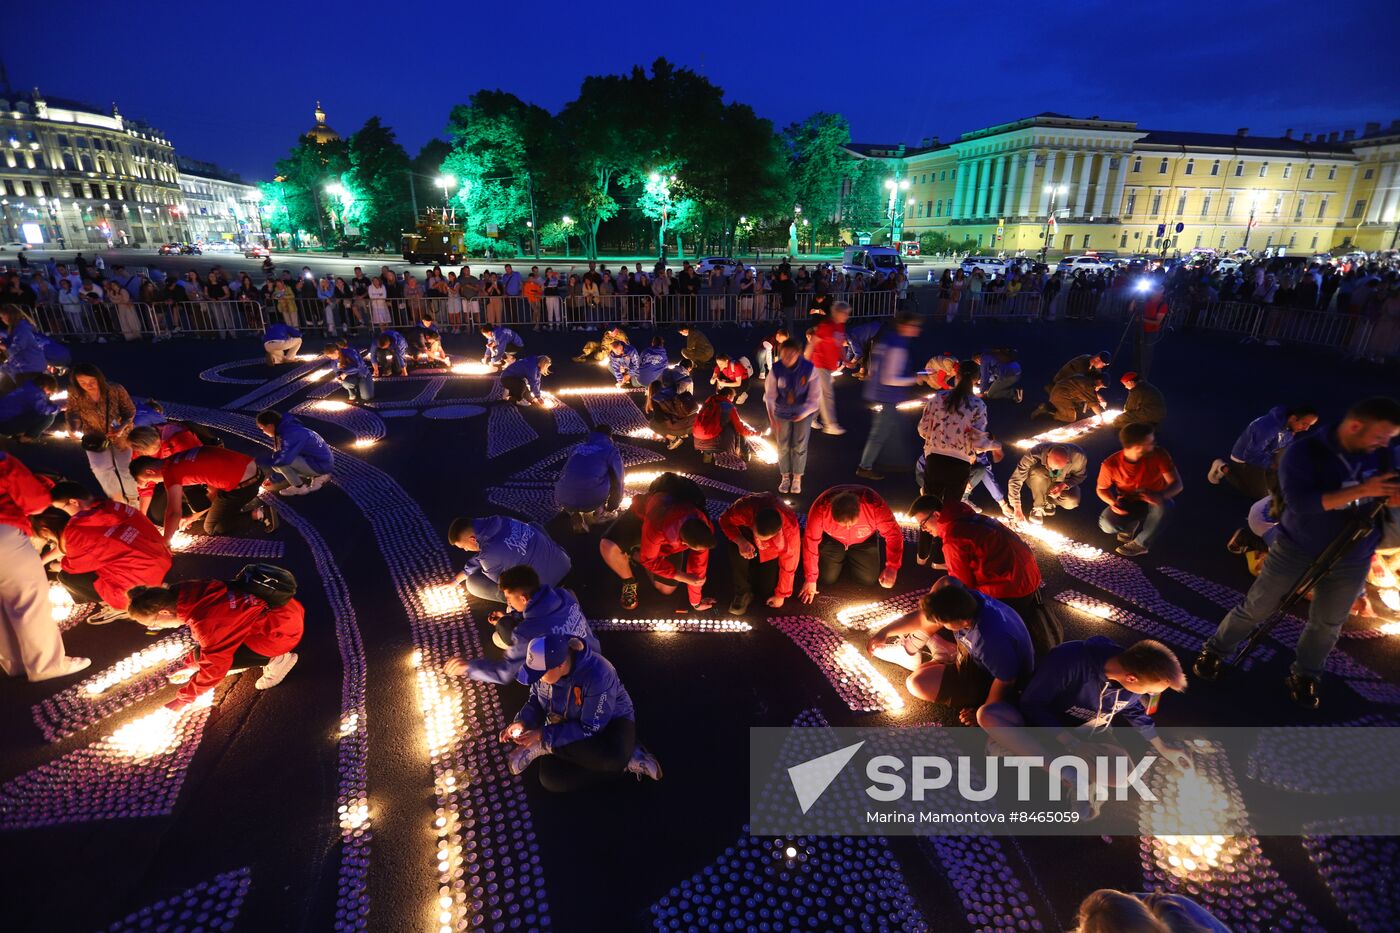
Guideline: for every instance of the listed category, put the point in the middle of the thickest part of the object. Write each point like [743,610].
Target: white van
[867,260]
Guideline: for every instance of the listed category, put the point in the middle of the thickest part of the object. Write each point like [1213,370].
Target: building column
[959,187]
[1049,179]
[1115,204]
[1081,201]
[1026,184]
[1013,179]
[1391,198]
[982,188]
[998,193]
[1384,178]
[1101,192]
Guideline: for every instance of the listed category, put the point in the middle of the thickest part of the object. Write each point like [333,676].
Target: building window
[1222,242]
[1359,209]
[1205,206]
[1086,241]
[933,209]
[1314,243]
[1230,207]
[1369,173]
[1162,168]
[1239,169]
[1181,205]
[1292,239]
[82,142]
[955,174]
[1131,205]
[921,210]
[1263,169]
[1298,211]
[1331,173]
[1190,166]
[1215,167]
[1309,173]
[1198,238]
[1137,164]
[1123,241]
[1278,205]
[1322,209]
[1288,170]
[48,190]
[1156,204]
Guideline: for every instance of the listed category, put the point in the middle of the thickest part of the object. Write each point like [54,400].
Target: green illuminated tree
[377,181]
[301,180]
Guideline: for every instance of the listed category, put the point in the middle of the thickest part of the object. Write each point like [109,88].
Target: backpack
[206,437]
[273,585]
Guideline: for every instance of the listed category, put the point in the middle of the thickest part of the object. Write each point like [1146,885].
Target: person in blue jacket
[521,380]
[624,362]
[498,543]
[860,340]
[591,483]
[390,357]
[26,358]
[281,343]
[29,411]
[1253,464]
[57,355]
[149,414]
[300,456]
[534,610]
[679,378]
[351,371]
[578,718]
[501,343]
[1000,373]
[652,361]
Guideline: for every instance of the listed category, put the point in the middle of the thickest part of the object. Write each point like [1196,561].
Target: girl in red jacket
[719,429]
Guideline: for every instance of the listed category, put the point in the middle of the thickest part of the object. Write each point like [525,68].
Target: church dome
[321,133]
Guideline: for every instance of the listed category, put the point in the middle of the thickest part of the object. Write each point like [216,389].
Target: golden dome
[321,133]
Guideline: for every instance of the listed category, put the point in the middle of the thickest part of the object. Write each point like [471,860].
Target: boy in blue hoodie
[591,483]
[653,361]
[498,543]
[27,412]
[281,343]
[624,362]
[579,718]
[351,371]
[521,380]
[391,354]
[1253,464]
[502,344]
[300,456]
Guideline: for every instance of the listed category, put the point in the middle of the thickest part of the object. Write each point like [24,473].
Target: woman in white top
[954,429]
[378,305]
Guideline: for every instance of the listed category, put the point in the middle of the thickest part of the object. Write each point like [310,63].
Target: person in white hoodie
[954,429]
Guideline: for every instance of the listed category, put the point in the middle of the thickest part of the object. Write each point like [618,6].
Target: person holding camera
[103,414]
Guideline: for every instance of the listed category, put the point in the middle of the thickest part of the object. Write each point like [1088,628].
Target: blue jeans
[483,587]
[31,424]
[298,472]
[361,387]
[1005,387]
[1143,518]
[791,438]
[1332,599]
[884,427]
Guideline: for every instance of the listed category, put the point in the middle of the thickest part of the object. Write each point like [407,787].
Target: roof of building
[204,169]
[320,132]
[1242,141]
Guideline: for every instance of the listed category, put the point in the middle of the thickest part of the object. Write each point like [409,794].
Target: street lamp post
[337,191]
[659,186]
[895,210]
[1054,191]
[568,224]
[1249,226]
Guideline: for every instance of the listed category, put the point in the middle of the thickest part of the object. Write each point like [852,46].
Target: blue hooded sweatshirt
[551,611]
[998,640]
[527,368]
[25,349]
[592,476]
[399,345]
[146,416]
[507,543]
[583,701]
[677,379]
[55,353]
[25,400]
[1265,436]
[889,360]
[625,365]
[351,362]
[297,440]
[1069,683]
[504,338]
[653,361]
[277,330]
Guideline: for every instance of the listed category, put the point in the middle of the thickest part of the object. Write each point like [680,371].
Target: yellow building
[1093,184]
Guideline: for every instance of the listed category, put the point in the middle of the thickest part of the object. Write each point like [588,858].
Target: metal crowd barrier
[1348,333]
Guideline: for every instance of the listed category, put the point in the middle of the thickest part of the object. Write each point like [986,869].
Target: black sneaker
[740,603]
[1208,666]
[1304,691]
[863,473]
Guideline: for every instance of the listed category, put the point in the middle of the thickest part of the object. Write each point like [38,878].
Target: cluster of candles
[443,599]
[109,692]
[979,870]
[678,624]
[507,429]
[224,546]
[211,905]
[61,603]
[1351,866]
[1069,432]
[473,369]
[860,686]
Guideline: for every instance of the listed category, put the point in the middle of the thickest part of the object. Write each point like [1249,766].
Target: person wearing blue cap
[578,718]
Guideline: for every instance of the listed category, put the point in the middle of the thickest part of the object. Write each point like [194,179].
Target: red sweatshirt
[714,415]
[786,545]
[828,345]
[211,467]
[22,494]
[221,620]
[985,554]
[661,538]
[875,518]
[174,439]
[120,544]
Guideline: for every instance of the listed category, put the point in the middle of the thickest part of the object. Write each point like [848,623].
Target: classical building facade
[1087,183]
[72,175]
[218,205]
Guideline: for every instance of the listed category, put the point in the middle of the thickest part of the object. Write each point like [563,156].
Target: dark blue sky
[235,83]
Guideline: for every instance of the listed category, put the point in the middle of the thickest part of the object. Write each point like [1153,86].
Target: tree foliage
[377,182]
[301,181]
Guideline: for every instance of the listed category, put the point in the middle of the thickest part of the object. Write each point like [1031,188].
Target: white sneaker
[785,484]
[743,397]
[70,666]
[275,670]
[500,642]
[105,615]
[319,480]
[523,403]
[834,429]
[1217,472]
[1006,508]
[519,758]
[644,764]
[796,483]
[1037,516]
[301,490]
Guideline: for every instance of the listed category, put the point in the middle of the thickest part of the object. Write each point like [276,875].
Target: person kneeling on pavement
[107,548]
[231,630]
[281,343]
[1138,484]
[591,485]
[981,651]
[502,344]
[1054,473]
[578,719]
[231,479]
[300,457]
[498,543]
[162,441]
[624,362]
[765,546]
[671,412]
[29,411]
[351,371]
[732,374]
[534,610]
[665,525]
[391,354]
[521,380]
[719,429]
[844,528]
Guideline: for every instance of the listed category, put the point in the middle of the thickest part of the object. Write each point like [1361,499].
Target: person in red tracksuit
[719,429]
[844,527]
[230,630]
[232,480]
[765,546]
[659,526]
[828,353]
[162,441]
[108,547]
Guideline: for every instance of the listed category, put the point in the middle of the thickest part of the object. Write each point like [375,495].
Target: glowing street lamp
[1054,191]
[895,210]
[446,183]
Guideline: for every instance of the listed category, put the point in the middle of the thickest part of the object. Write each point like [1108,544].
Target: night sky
[236,83]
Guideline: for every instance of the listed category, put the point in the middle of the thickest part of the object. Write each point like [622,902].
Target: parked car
[1228,264]
[169,249]
[867,260]
[1087,263]
[723,263]
[990,265]
[256,251]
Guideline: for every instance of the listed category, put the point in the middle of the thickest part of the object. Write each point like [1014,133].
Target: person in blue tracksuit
[501,342]
[534,610]
[859,342]
[281,343]
[498,543]
[679,378]
[578,719]
[1253,464]
[300,456]
[351,371]
[591,482]
[29,411]
[652,361]
[888,383]
[624,362]
[149,414]
[25,351]
[1000,373]
[521,380]
[57,355]
[390,356]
